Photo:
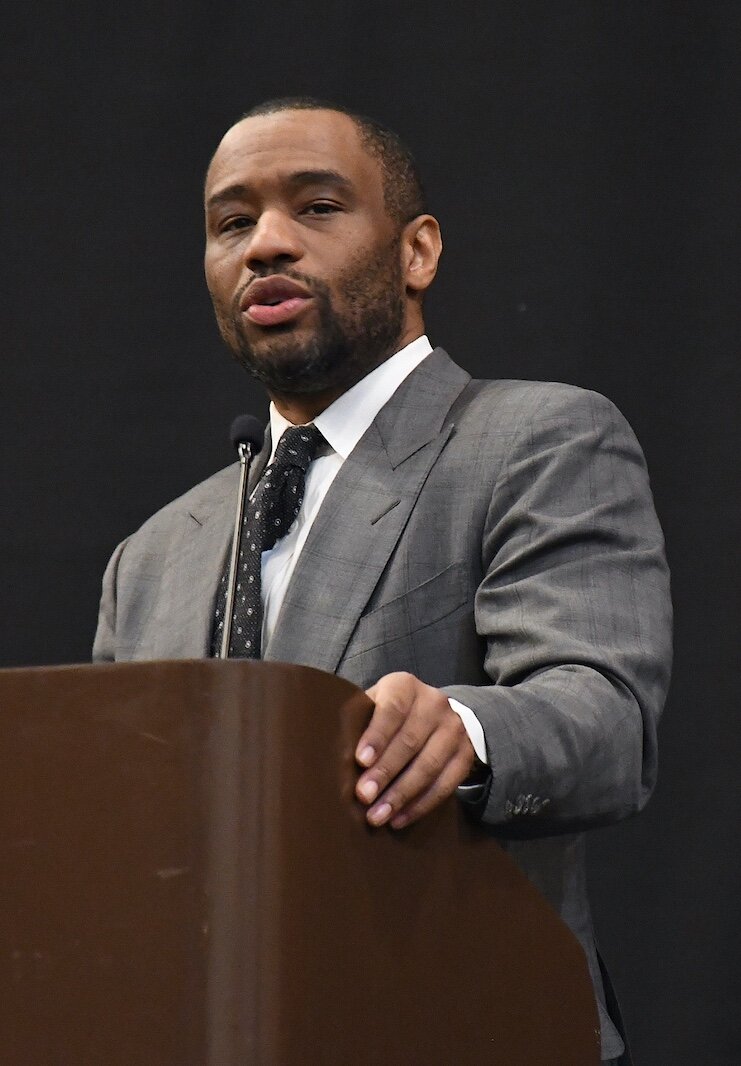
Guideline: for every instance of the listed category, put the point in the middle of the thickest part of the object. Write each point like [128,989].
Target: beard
[347,343]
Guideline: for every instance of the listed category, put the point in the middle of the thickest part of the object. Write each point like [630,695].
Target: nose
[274,239]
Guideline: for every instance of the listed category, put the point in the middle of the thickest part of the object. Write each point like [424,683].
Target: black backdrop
[583,160]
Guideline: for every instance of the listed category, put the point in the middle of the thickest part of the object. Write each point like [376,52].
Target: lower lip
[277,314]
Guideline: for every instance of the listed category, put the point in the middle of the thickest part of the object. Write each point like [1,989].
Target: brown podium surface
[186,879]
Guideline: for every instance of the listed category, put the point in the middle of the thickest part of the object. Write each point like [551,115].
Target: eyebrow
[298,179]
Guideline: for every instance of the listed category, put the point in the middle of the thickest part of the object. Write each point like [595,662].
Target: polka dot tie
[269,515]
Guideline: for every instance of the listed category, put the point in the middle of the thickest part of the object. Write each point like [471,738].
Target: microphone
[247,435]
[246,429]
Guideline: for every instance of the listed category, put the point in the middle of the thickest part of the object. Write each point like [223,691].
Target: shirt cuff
[473,727]
[476,788]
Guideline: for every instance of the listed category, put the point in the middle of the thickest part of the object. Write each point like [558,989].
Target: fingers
[415,748]
[394,696]
[406,713]
[441,789]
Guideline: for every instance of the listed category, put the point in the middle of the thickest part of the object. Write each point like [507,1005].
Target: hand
[416,751]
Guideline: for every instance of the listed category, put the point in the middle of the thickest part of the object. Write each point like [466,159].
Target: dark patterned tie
[269,515]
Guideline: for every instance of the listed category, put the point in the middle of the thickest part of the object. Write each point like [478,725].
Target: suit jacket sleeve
[104,647]
[575,611]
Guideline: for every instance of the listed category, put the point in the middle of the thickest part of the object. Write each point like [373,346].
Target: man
[482,557]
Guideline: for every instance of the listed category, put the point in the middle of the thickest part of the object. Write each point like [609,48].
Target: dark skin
[297,192]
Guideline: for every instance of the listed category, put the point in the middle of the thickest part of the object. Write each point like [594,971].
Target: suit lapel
[181,624]
[363,516]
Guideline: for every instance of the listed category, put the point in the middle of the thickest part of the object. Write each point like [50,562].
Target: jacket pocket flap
[419,607]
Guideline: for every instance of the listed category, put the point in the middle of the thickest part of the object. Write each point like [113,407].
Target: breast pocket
[420,608]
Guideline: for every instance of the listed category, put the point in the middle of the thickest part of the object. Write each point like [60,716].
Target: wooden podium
[186,879]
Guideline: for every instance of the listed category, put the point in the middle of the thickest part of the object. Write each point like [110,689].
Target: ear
[421,245]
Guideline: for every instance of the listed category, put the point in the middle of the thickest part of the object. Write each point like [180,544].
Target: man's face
[302,260]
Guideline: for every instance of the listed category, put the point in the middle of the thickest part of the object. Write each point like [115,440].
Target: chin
[293,371]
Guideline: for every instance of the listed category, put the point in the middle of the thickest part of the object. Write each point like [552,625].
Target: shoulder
[512,407]
[539,398]
[510,401]
[194,505]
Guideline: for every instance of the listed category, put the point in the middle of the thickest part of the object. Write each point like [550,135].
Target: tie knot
[298,447]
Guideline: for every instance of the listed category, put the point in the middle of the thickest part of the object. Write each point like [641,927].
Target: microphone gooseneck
[246,434]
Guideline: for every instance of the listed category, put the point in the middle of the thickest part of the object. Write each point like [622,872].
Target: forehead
[269,147]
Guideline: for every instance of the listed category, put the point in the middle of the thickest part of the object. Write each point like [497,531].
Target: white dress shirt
[342,425]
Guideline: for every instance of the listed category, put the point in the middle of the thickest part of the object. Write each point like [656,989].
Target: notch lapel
[363,516]
[181,623]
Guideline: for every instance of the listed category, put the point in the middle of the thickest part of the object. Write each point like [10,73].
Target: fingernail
[368,790]
[379,814]
[399,821]
[367,755]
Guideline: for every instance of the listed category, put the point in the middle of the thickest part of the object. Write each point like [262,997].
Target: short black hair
[402,187]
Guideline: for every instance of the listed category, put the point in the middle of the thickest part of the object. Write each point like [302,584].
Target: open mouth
[277,311]
[275,300]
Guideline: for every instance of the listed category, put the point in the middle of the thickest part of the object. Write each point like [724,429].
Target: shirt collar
[345,421]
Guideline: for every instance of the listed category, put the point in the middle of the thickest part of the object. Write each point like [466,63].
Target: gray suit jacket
[495,538]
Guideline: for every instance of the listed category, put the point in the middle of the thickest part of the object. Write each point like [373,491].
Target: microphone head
[246,429]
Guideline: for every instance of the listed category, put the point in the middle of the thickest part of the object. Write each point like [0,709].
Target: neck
[299,410]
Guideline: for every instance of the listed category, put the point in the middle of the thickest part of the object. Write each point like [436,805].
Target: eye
[235,223]
[321,207]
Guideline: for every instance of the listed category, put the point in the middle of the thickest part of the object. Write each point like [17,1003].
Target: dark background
[583,159]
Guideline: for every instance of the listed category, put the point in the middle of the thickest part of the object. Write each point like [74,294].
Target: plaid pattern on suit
[497,539]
